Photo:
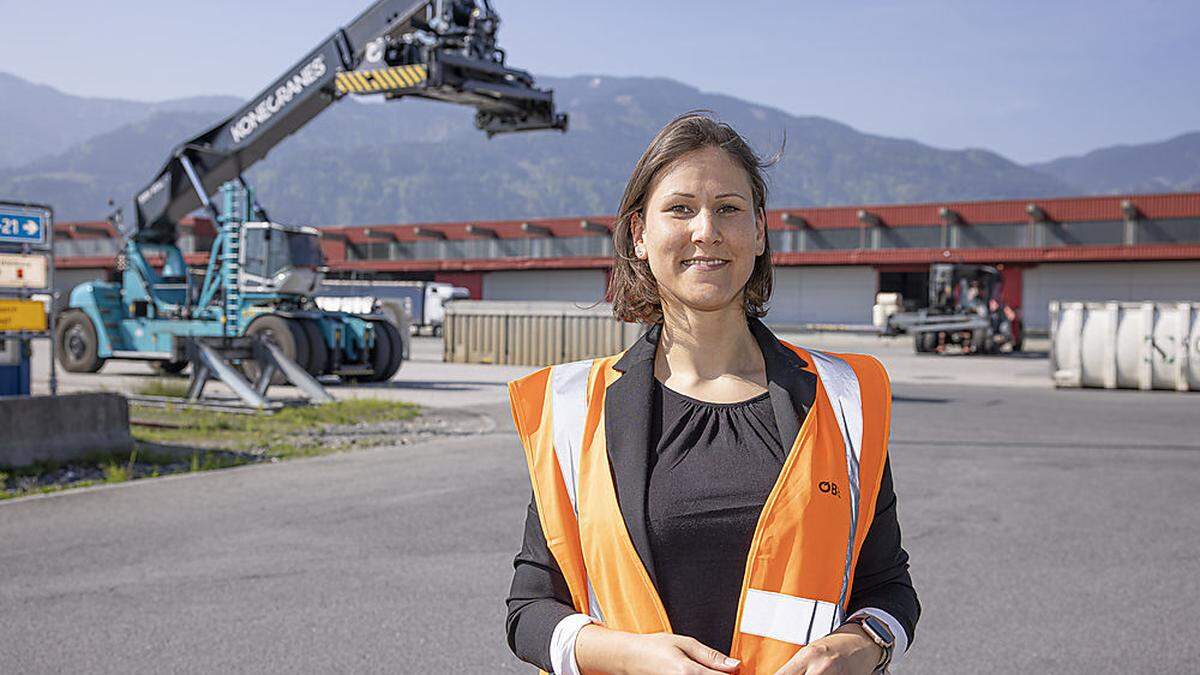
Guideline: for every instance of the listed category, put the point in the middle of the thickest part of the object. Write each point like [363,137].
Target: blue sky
[1031,80]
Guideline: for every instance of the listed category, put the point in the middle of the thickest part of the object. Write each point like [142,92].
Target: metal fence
[532,333]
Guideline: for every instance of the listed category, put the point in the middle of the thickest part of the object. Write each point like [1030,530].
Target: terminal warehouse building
[830,262]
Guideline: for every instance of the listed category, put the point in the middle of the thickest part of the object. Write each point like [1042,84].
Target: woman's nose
[704,228]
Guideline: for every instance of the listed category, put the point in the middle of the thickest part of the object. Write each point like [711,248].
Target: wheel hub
[76,342]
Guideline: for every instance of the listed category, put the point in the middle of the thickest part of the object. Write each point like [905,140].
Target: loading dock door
[1101,282]
[911,284]
[836,294]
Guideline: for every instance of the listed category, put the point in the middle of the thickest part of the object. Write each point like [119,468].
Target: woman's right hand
[612,652]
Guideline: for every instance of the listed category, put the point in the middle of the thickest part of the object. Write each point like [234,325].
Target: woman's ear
[637,230]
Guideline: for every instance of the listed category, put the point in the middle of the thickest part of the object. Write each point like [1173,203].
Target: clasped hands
[846,651]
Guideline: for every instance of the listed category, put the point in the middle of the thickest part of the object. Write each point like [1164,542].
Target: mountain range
[1172,165]
[421,161]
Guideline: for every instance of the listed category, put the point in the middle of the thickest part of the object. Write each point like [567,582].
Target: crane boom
[436,49]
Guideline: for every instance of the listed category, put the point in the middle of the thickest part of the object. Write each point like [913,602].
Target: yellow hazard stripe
[381,80]
[370,81]
[347,84]
[412,75]
[393,81]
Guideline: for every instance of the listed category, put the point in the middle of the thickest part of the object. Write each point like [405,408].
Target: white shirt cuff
[893,625]
[562,644]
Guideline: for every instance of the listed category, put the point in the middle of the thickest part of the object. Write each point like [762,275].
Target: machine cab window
[280,257]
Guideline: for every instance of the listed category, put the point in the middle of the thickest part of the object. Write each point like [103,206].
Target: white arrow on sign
[31,227]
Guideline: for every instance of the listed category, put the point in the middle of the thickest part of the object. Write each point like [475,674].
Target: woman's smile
[704,264]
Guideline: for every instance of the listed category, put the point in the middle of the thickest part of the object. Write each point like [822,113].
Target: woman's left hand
[846,651]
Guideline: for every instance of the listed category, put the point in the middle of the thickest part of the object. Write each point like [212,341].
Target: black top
[714,466]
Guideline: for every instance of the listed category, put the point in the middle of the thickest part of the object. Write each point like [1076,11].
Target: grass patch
[98,468]
[183,440]
[172,387]
[291,432]
[115,473]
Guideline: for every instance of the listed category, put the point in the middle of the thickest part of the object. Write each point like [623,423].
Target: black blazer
[540,598]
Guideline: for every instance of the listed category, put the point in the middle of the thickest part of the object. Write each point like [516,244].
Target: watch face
[880,629]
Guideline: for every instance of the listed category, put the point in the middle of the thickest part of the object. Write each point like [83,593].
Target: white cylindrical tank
[1125,345]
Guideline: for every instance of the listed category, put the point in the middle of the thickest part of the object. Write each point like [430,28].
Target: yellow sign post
[22,315]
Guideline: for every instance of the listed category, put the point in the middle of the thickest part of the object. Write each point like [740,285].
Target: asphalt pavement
[1050,531]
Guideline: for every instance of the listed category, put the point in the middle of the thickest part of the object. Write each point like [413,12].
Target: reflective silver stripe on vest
[568,383]
[841,386]
[568,391]
[787,617]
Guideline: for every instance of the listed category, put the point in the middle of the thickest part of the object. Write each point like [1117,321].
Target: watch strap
[880,634]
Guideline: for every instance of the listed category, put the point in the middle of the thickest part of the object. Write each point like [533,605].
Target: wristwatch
[879,632]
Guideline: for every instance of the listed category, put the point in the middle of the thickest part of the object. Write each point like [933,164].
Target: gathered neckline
[712,404]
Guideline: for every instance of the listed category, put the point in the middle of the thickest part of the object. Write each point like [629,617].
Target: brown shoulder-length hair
[633,289]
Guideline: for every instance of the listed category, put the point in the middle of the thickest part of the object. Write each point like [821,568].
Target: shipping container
[1125,345]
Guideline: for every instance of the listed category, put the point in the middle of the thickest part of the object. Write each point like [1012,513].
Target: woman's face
[700,232]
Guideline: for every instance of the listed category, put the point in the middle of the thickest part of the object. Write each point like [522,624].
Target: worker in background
[711,500]
[974,301]
[1003,315]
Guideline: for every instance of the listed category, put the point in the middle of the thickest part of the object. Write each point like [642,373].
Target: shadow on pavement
[433,385]
[918,399]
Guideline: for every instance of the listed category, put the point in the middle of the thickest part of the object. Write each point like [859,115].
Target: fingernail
[731,662]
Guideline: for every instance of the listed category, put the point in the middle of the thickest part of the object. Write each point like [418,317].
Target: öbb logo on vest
[829,487]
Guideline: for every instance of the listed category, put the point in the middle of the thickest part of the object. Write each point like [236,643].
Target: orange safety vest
[800,568]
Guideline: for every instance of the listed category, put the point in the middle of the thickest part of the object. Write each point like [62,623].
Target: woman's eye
[728,208]
[679,208]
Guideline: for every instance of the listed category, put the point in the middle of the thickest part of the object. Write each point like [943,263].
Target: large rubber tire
[76,342]
[924,342]
[380,355]
[169,367]
[388,331]
[284,332]
[980,342]
[318,351]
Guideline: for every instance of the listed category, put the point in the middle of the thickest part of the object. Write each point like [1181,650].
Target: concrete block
[62,428]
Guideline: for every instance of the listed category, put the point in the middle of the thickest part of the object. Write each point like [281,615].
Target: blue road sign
[22,228]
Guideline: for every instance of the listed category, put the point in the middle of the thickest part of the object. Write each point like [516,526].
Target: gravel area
[430,424]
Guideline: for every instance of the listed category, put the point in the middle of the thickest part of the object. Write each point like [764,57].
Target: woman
[711,500]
